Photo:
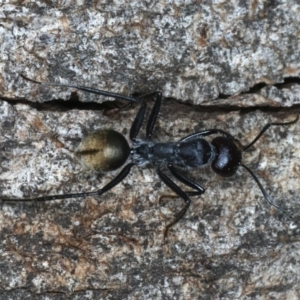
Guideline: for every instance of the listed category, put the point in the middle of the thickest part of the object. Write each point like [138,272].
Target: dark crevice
[224,96]
[271,109]
[247,110]
[218,108]
[256,88]
[62,105]
[287,83]
[74,101]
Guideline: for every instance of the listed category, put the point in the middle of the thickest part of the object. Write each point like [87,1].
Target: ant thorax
[194,153]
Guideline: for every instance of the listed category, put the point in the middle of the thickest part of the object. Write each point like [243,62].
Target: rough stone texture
[230,244]
[190,50]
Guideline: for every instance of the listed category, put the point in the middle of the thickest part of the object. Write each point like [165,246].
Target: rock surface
[239,60]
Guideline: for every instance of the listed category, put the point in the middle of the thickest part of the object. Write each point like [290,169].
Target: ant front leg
[175,188]
[187,181]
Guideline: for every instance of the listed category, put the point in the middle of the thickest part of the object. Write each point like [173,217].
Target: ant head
[103,150]
[228,157]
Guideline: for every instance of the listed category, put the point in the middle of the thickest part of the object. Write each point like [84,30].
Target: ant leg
[125,171]
[138,121]
[189,194]
[187,181]
[153,114]
[206,133]
[175,188]
[265,128]
[86,89]
[267,197]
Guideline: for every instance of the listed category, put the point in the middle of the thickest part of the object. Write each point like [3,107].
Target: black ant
[107,150]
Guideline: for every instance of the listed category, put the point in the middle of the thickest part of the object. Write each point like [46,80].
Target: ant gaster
[107,150]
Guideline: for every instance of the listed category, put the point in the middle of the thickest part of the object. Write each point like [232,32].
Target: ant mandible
[107,150]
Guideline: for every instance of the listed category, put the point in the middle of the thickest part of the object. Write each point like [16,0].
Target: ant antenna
[245,148]
[266,195]
[265,128]
[85,89]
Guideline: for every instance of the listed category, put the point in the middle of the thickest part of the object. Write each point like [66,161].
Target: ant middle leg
[187,181]
[175,188]
[180,193]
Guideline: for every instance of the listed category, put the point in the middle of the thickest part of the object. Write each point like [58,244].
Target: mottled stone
[239,60]
[114,243]
[195,51]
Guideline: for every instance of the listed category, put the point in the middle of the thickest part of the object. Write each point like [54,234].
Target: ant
[107,150]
